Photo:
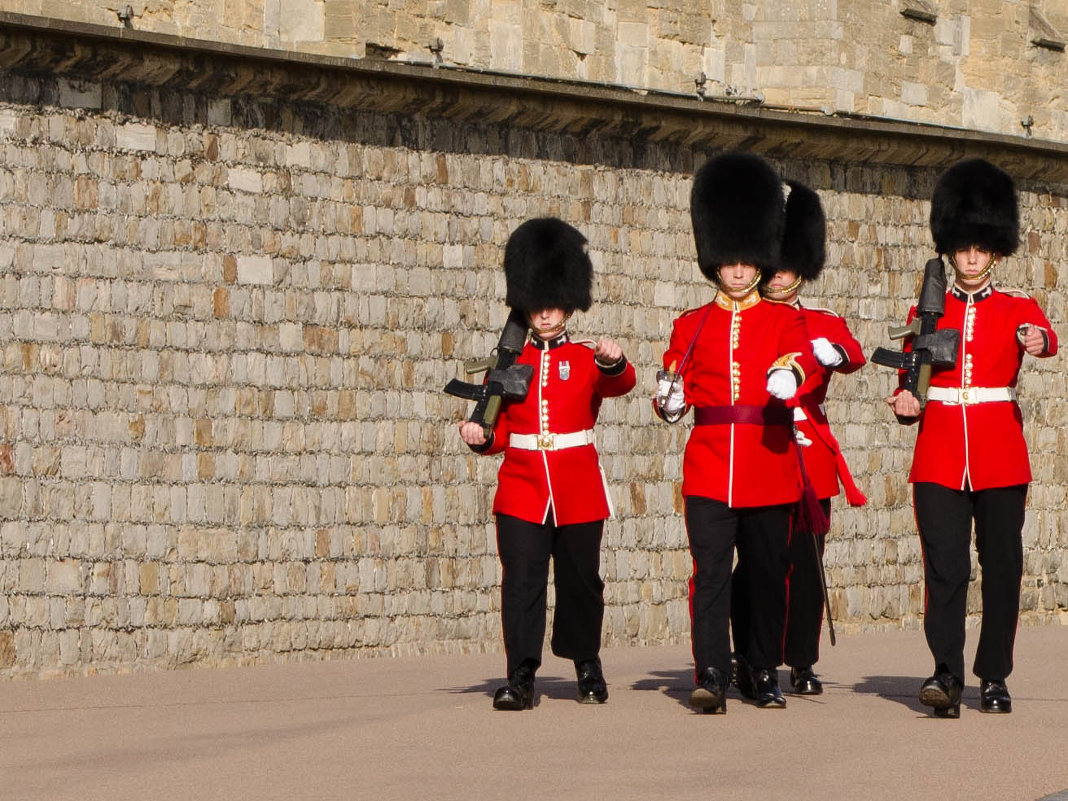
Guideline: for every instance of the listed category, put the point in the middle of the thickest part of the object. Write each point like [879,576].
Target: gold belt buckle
[546,442]
[964,397]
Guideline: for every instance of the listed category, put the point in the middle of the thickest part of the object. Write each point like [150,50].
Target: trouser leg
[711,527]
[579,591]
[944,520]
[999,519]
[524,550]
[763,548]
[805,596]
[740,611]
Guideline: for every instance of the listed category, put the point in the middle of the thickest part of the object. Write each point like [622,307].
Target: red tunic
[565,396]
[820,457]
[743,465]
[979,445]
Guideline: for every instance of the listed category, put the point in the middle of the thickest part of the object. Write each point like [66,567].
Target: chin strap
[983,273]
[784,290]
[552,333]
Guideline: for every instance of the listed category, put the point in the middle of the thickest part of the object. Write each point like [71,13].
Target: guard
[736,361]
[970,462]
[837,351]
[552,499]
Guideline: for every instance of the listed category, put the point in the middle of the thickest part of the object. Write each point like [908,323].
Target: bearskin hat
[546,267]
[804,233]
[736,206]
[974,203]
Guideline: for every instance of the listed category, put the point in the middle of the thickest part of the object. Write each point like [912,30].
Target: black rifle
[929,346]
[504,379]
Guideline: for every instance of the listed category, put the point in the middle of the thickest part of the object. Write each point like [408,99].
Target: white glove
[826,353]
[802,440]
[670,395]
[782,384]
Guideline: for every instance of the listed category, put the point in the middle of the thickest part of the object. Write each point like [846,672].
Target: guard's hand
[472,433]
[782,383]
[904,404]
[802,440]
[670,396]
[607,352]
[826,353]
[1030,336]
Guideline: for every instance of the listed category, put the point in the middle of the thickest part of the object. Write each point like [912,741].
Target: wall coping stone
[86,52]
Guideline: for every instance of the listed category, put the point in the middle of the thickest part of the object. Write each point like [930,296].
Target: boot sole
[511,706]
[511,703]
[773,703]
[592,699]
[939,701]
[708,702]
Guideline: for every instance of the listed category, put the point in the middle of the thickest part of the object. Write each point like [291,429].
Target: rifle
[930,347]
[504,378]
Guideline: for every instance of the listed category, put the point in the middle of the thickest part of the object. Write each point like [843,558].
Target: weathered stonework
[232,286]
[990,65]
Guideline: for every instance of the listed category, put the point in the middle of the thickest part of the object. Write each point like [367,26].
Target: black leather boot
[710,694]
[766,689]
[591,685]
[518,693]
[942,693]
[994,697]
[805,682]
[742,676]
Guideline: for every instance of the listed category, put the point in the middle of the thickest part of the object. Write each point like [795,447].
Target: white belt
[970,395]
[551,442]
[799,413]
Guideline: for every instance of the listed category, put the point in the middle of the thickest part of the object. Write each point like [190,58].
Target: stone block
[257,270]
[80,94]
[243,179]
[137,137]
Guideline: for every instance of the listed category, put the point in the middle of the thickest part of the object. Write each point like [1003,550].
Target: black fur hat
[736,206]
[804,233]
[974,203]
[546,267]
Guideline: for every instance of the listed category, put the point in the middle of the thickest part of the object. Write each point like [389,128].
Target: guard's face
[737,280]
[780,281]
[972,266]
[547,323]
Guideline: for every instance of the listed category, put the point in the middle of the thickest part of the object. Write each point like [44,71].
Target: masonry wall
[225,322]
[989,65]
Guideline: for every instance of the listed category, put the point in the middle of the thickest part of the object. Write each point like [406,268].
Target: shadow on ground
[904,690]
[552,687]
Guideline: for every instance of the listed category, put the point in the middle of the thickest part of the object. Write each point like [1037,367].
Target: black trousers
[804,618]
[525,549]
[944,517]
[761,535]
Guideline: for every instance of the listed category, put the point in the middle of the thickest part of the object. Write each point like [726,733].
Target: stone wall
[232,286]
[991,65]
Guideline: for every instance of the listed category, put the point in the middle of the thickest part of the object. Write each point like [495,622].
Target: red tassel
[810,516]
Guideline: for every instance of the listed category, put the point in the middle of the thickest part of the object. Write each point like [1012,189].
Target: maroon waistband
[751,415]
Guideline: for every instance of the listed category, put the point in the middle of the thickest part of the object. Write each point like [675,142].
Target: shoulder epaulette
[777,302]
[821,310]
[1016,293]
[688,312]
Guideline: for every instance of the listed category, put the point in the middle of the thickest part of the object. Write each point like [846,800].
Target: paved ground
[423,728]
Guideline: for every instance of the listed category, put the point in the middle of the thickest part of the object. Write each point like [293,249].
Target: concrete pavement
[414,728]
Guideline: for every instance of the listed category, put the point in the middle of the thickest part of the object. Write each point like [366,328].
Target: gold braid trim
[788,361]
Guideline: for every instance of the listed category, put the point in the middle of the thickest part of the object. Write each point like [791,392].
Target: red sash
[823,431]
